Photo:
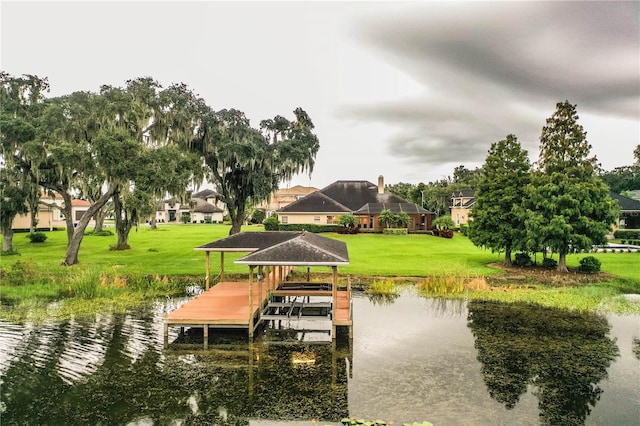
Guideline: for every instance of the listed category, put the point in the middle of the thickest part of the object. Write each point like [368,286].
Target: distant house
[361,198]
[461,204]
[629,212]
[203,206]
[285,196]
[50,213]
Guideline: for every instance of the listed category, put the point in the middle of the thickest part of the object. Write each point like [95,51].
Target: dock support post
[166,335]
[208,274]
[251,302]
[206,336]
[221,266]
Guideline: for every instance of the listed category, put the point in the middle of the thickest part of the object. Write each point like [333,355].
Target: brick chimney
[380,184]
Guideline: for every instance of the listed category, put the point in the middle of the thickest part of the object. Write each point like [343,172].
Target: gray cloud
[490,69]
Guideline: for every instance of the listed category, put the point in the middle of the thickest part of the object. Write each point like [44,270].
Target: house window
[329,220]
[316,219]
[285,219]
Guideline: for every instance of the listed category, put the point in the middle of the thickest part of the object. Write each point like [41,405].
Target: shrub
[522,259]
[271,224]
[628,234]
[258,216]
[103,233]
[38,237]
[395,231]
[549,263]
[310,227]
[348,230]
[464,229]
[185,218]
[445,233]
[589,265]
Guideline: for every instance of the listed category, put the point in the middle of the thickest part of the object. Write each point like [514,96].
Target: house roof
[296,190]
[305,249]
[204,194]
[465,193]
[345,196]
[626,203]
[201,206]
[283,248]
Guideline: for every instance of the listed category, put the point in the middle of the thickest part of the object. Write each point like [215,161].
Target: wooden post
[206,336]
[208,274]
[334,293]
[221,266]
[251,302]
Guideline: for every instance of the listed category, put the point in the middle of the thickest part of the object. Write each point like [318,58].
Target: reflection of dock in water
[268,297]
[273,379]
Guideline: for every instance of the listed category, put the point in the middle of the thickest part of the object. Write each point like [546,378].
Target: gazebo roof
[283,248]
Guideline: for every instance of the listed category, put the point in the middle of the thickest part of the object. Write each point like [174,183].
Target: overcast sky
[408,90]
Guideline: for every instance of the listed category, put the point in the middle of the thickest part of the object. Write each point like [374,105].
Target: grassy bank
[162,261]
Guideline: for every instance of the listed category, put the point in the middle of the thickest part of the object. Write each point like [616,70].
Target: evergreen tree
[497,219]
[569,206]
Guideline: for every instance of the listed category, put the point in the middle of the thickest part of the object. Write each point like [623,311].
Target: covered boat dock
[268,295]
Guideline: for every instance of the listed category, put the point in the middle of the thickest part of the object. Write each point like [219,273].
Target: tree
[497,215]
[401,220]
[386,218]
[404,190]
[21,103]
[246,164]
[347,220]
[444,222]
[569,207]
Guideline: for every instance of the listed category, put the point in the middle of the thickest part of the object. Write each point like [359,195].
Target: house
[50,213]
[285,196]
[203,206]
[363,199]
[629,212]
[461,204]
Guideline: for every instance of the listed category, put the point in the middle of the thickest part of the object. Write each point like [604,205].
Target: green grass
[169,252]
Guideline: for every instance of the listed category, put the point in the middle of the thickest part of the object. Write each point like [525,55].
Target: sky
[406,90]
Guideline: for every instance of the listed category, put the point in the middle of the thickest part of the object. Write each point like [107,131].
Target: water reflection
[412,360]
[564,355]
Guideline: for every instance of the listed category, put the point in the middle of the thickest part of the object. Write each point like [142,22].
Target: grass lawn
[169,250]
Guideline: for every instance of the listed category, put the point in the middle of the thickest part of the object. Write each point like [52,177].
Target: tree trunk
[123,224]
[68,215]
[507,257]
[562,263]
[78,233]
[7,242]
[99,219]
[153,223]
[237,217]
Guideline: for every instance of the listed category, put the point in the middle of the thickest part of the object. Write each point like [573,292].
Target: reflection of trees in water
[382,299]
[636,347]
[224,387]
[563,354]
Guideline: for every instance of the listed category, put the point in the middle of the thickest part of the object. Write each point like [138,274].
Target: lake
[411,359]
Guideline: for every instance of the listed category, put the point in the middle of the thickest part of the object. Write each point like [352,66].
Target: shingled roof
[626,203]
[289,248]
[306,249]
[350,196]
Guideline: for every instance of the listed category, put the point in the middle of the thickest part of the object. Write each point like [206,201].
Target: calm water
[411,359]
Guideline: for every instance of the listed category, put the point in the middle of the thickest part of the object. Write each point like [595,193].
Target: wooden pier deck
[226,305]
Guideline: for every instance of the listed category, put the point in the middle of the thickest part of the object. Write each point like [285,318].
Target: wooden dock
[226,305]
[269,295]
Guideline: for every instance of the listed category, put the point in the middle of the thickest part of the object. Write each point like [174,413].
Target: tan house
[363,199]
[285,196]
[461,204]
[50,213]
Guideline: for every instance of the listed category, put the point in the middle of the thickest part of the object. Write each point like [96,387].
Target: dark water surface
[412,359]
